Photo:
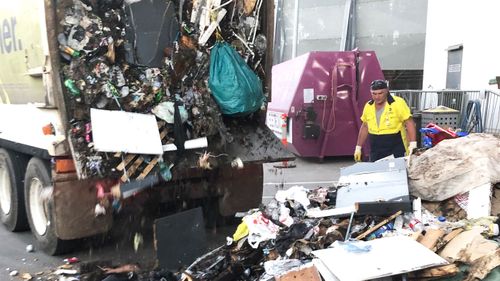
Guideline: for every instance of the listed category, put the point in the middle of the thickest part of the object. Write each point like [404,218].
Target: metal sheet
[180,239]
[373,182]
[152,27]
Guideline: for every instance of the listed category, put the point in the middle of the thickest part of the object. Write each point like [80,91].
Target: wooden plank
[148,168]
[447,238]
[130,172]
[163,133]
[431,238]
[379,225]
[440,271]
[417,236]
[125,162]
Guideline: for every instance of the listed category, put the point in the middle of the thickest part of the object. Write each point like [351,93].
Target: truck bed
[133,57]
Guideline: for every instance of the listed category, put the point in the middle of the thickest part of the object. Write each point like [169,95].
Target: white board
[479,203]
[120,131]
[387,256]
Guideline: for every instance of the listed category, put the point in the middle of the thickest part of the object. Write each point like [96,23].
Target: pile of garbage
[263,247]
[369,225]
[113,59]
[309,234]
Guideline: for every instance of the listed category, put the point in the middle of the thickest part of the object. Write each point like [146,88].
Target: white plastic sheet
[296,193]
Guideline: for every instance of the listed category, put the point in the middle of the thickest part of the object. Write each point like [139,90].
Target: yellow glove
[411,147]
[357,153]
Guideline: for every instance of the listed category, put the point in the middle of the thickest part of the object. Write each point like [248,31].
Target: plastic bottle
[413,223]
[398,223]
[69,51]
[71,86]
[494,229]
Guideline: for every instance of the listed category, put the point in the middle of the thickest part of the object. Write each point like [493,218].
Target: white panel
[125,132]
[479,203]
[23,123]
[386,257]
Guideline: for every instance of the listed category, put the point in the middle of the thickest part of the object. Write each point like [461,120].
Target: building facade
[394,29]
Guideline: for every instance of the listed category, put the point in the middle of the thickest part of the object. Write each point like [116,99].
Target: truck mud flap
[74,204]
[242,189]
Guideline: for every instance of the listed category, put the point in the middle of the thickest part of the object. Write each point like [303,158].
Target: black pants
[385,145]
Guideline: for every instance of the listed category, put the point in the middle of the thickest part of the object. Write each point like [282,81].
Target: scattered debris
[71,260]
[66,271]
[26,276]
[138,241]
[30,248]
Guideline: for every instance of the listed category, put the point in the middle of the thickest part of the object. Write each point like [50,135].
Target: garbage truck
[103,100]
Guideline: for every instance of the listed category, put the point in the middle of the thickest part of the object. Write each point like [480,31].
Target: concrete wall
[475,25]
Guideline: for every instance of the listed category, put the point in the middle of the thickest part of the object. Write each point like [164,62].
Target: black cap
[378,85]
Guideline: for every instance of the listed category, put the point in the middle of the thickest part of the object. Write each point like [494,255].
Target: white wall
[474,24]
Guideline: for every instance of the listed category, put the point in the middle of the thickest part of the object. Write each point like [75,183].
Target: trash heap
[318,234]
[107,67]
[306,235]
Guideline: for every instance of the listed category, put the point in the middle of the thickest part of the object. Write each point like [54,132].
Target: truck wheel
[12,211]
[37,183]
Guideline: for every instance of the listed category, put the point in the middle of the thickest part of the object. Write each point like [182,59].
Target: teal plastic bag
[235,87]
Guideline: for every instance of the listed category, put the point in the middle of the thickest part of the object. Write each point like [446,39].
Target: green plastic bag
[235,87]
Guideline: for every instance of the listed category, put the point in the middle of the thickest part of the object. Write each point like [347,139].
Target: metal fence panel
[419,100]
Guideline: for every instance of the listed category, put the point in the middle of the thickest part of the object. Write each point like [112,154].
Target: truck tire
[39,207]
[12,211]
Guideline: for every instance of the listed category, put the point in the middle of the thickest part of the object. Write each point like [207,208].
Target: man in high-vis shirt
[388,124]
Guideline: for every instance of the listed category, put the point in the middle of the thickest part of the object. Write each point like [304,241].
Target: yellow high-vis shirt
[392,120]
